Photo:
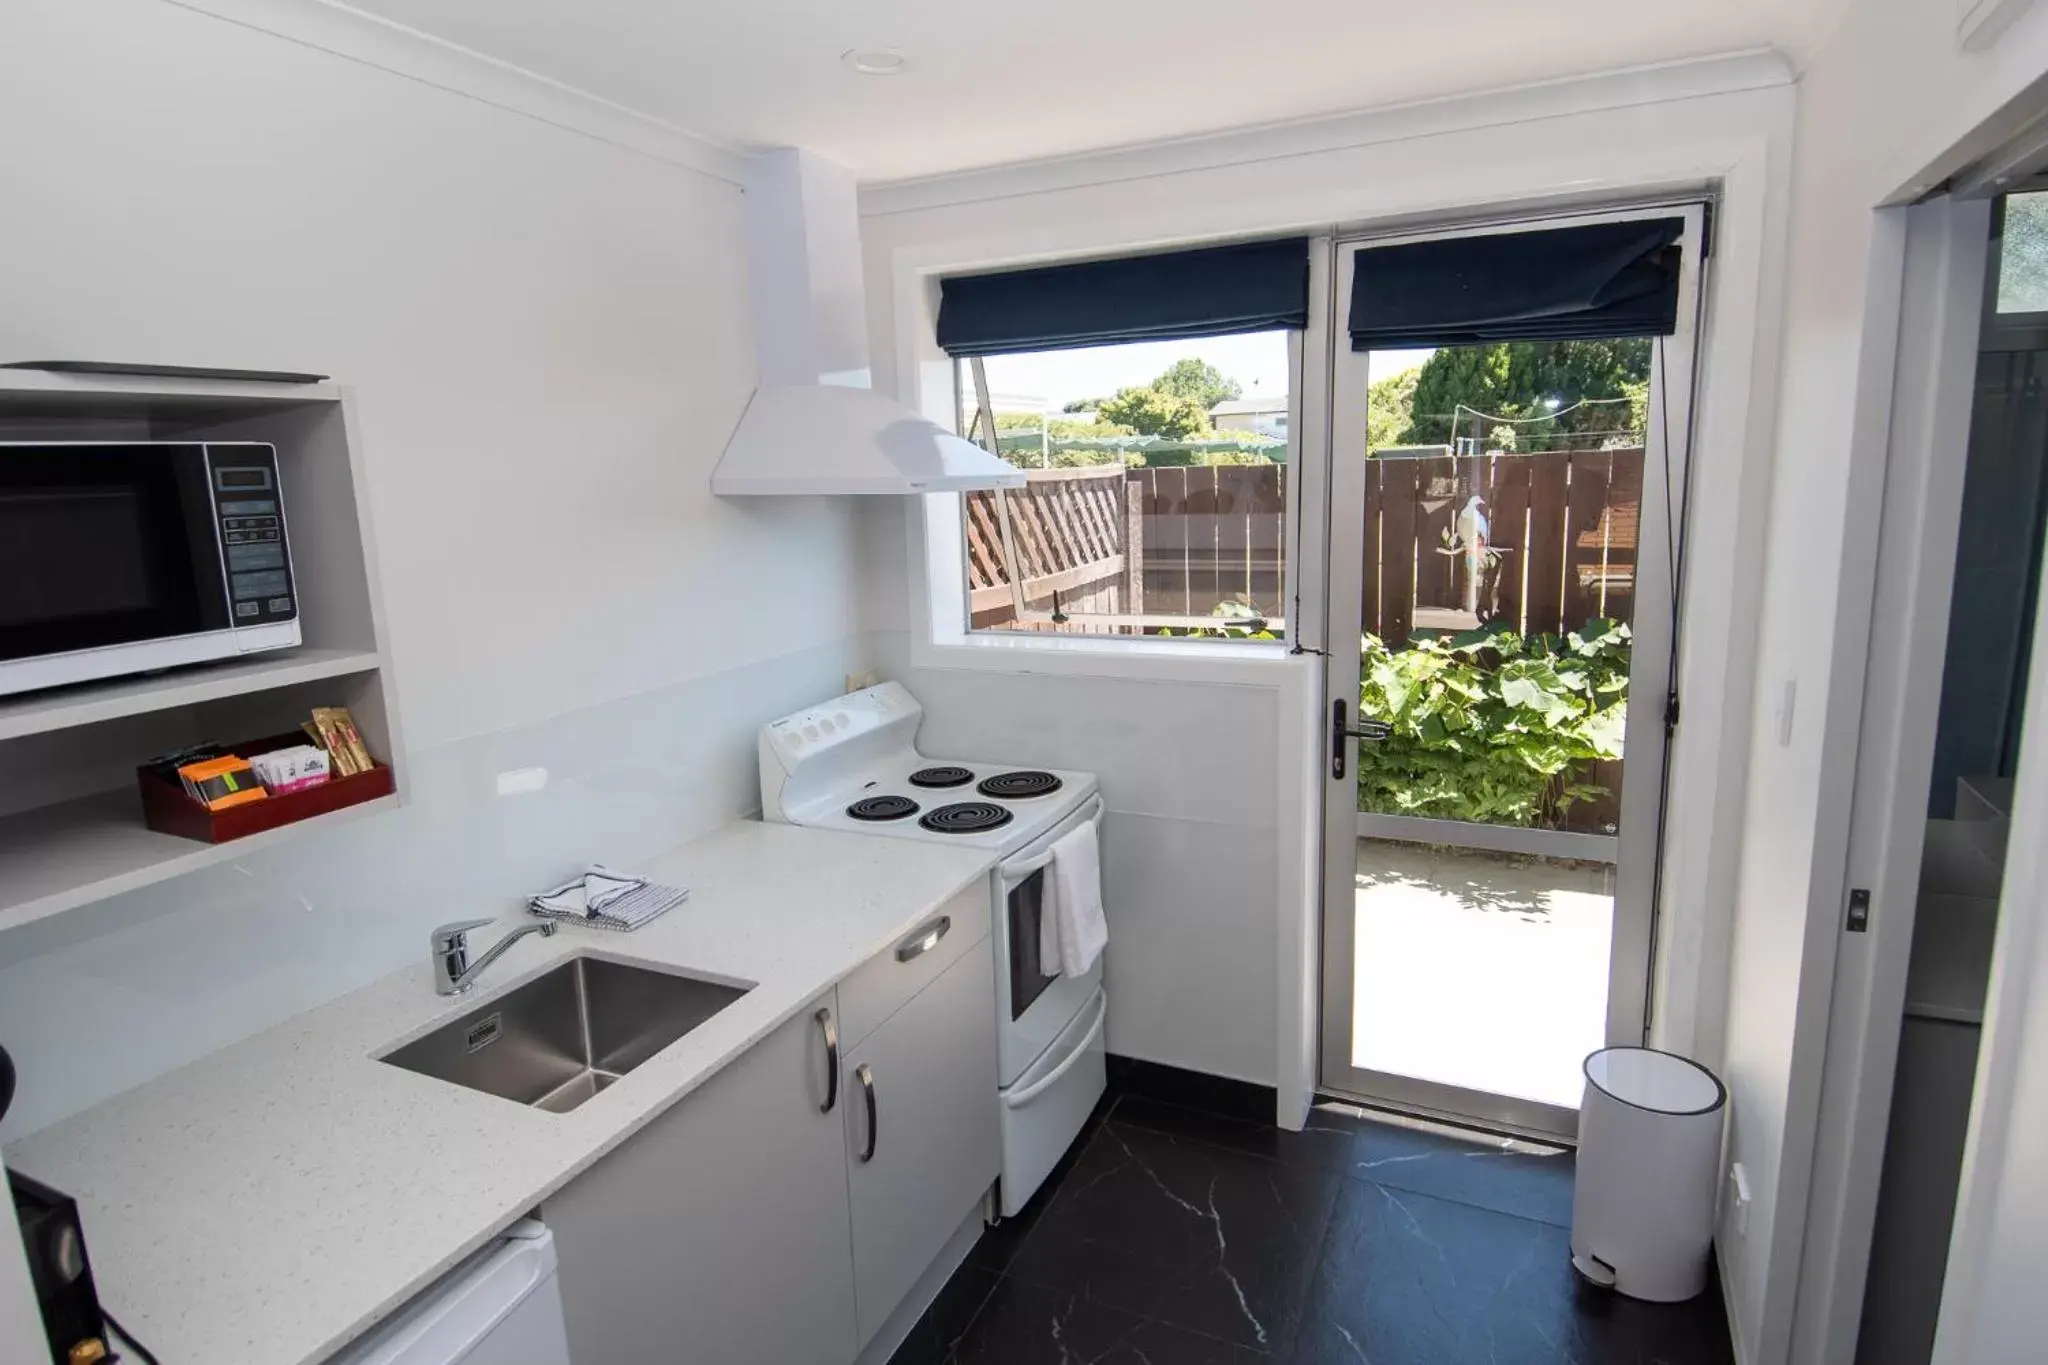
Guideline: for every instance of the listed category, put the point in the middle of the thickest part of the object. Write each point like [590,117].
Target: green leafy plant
[1492,726]
[1227,614]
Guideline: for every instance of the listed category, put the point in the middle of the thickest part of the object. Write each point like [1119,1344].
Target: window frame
[971,406]
[941,636]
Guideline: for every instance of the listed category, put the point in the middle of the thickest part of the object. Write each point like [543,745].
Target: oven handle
[1017,872]
[1052,1078]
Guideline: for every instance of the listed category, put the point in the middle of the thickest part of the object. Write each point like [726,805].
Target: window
[1156,500]
[2023,255]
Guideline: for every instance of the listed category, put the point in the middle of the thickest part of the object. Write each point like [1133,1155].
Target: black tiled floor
[1175,1234]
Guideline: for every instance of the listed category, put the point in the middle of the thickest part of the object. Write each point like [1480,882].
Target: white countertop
[270,1202]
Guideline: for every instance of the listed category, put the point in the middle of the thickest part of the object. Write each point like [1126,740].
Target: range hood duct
[824,438]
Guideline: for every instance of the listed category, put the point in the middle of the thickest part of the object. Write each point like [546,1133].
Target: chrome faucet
[454,973]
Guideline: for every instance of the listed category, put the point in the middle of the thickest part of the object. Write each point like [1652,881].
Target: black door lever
[1370,730]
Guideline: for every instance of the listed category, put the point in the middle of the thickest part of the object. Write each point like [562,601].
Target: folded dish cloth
[1071,928]
[607,899]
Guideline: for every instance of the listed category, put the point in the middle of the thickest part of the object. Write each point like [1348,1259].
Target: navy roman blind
[1550,284]
[1209,291]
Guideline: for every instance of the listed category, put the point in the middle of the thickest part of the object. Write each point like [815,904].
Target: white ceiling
[991,82]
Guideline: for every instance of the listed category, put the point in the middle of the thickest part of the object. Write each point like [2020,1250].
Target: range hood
[824,438]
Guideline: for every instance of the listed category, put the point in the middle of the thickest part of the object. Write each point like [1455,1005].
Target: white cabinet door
[928,1078]
[719,1233]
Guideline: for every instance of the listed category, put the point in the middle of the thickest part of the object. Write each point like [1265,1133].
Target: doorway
[1503,562]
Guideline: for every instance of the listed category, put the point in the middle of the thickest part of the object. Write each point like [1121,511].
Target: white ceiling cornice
[365,38]
[1693,79]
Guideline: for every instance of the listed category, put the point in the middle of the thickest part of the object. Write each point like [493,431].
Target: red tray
[168,810]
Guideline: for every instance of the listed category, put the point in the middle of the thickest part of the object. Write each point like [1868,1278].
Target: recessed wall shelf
[57,858]
[61,708]
[76,748]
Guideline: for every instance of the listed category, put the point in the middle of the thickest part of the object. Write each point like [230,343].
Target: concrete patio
[1482,970]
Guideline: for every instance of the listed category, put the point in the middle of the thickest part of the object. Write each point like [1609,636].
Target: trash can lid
[1662,1082]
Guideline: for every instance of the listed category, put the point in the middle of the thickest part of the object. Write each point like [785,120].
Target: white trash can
[1649,1161]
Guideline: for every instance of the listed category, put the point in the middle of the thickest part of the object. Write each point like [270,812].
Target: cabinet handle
[923,938]
[831,1032]
[867,1085]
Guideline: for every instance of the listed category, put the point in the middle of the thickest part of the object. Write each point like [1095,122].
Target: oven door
[1034,1003]
[111,560]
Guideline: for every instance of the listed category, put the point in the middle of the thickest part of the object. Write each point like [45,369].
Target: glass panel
[1504,492]
[1156,501]
[104,545]
[1503,497]
[2023,255]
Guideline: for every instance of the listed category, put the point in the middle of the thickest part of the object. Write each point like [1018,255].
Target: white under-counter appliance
[502,1306]
[127,557]
[853,764]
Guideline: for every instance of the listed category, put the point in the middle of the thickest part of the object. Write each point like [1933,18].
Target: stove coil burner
[966,817]
[1019,786]
[941,777]
[882,808]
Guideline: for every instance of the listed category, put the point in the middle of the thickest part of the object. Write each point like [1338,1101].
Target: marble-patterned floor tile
[999,1244]
[1028,1324]
[933,1340]
[1209,1240]
[1409,1279]
[1509,1176]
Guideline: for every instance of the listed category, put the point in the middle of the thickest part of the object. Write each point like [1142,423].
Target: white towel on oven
[1072,930]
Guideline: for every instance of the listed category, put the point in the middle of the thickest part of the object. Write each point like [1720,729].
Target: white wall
[1886,96]
[549,338]
[1189,765]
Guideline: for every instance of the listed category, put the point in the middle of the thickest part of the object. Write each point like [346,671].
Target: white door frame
[1940,250]
[1672,389]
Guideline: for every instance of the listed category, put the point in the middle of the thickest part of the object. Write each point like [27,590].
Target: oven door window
[105,545]
[1028,975]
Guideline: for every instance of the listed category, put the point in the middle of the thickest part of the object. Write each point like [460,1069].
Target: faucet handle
[448,936]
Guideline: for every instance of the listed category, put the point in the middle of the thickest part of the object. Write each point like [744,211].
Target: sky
[1257,361]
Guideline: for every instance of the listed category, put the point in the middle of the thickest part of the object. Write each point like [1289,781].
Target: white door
[719,1233]
[1502,590]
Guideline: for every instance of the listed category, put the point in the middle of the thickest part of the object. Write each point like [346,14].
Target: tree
[1199,382]
[1150,412]
[1389,408]
[1082,405]
[1525,380]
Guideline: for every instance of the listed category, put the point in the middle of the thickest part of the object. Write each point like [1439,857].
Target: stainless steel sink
[567,1034]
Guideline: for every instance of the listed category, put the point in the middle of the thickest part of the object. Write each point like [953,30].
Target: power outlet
[519,781]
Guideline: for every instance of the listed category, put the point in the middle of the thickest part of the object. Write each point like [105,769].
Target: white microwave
[129,557]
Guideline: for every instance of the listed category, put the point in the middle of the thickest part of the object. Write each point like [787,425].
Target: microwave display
[120,549]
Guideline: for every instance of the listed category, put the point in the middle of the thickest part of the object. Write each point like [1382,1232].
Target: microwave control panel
[256,556]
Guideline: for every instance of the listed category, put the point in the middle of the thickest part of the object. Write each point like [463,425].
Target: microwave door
[107,553]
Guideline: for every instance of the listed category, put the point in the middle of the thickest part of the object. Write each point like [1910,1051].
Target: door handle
[867,1085]
[1372,731]
[831,1032]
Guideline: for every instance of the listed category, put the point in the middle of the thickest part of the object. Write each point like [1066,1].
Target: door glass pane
[1503,501]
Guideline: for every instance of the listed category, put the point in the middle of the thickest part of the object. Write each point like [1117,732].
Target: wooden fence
[1562,528]
[1179,541]
[1172,542]
[1072,533]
